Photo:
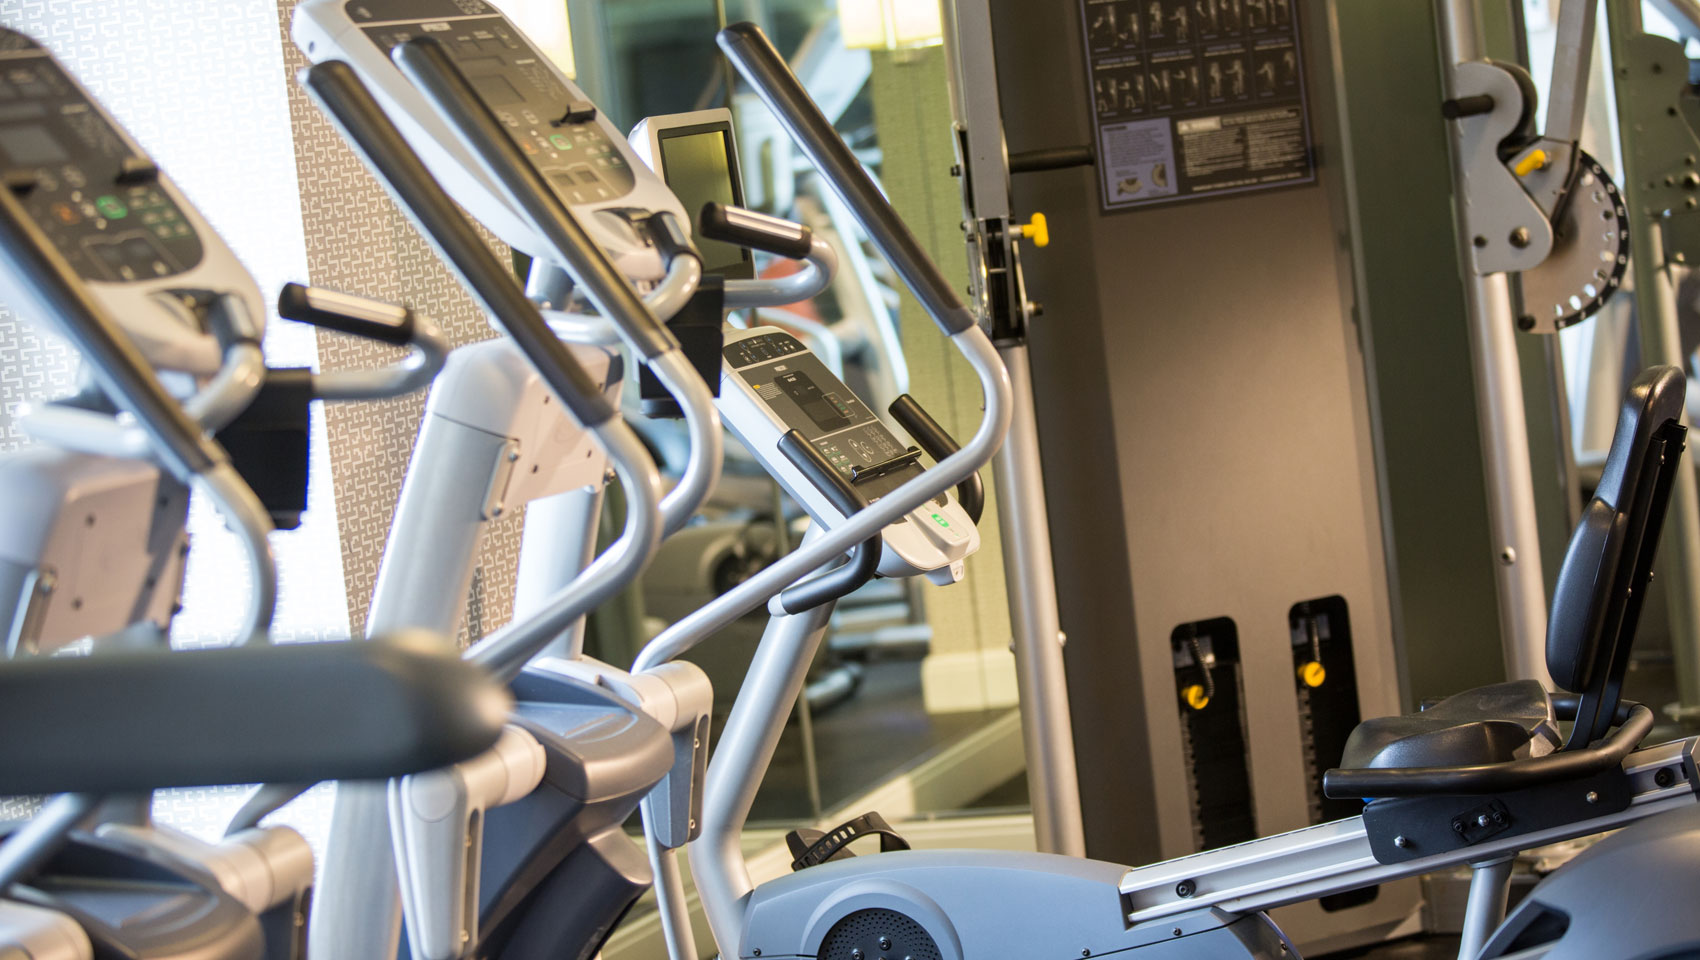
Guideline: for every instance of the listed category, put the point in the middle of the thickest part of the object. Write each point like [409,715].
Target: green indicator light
[561,141]
[940,521]
[111,207]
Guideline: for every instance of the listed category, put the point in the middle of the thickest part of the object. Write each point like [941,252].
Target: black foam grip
[765,70]
[910,415]
[758,231]
[366,126]
[306,305]
[298,712]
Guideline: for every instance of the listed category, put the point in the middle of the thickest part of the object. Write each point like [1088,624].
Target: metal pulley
[1589,257]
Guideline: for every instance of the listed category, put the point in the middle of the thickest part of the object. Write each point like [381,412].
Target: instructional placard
[1196,98]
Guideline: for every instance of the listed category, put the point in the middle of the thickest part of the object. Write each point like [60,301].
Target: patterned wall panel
[358,241]
[197,82]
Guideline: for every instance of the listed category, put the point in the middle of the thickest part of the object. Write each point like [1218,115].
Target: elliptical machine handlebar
[761,66]
[395,324]
[505,652]
[337,88]
[764,69]
[424,61]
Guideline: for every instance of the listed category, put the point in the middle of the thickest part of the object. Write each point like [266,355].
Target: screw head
[1402,842]
[1664,777]
[1520,237]
[1186,888]
[1483,820]
[1593,796]
[1176,931]
[885,943]
[1508,556]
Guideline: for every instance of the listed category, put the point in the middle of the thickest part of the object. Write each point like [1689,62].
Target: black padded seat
[1505,736]
[133,721]
[1491,724]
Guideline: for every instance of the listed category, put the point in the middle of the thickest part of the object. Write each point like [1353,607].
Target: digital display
[496,91]
[30,145]
[825,409]
[698,168]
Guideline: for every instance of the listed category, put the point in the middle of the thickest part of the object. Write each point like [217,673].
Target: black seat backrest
[1596,603]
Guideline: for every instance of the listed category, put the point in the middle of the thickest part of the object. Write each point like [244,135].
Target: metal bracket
[1660,108]
[1414,827]
[1509,231]
[36,593]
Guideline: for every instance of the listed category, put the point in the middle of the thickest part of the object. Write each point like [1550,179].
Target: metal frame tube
[775,679]
[1499,404]
[1047,731]
[506,651]
[1490,888]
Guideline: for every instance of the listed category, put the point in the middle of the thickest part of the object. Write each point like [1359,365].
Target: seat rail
[1335,857]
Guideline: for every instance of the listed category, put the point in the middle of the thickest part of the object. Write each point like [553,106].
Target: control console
[771,384]
[109,210]
[582,155]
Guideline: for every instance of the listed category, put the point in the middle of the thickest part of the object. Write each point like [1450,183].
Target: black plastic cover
[269,441]
[133,721]
[1489,724]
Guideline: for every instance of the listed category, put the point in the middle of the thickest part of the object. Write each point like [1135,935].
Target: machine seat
[1505,737]
[133,721]
[1492,724]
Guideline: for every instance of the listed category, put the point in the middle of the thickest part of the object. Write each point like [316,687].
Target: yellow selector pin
[1313,674]
[1536,160]
[1037,230]
[1195,696]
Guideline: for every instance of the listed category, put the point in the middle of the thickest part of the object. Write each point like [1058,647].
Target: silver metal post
[558,543]
[774,680]
[35,841]
[1499,403]
[1490,884]
[1047,732]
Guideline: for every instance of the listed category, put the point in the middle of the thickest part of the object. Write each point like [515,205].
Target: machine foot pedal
[810,847]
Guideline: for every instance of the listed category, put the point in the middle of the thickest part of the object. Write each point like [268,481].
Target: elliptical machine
[96,241]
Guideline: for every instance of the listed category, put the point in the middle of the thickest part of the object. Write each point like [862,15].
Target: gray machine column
[1047,729]
[1499,392]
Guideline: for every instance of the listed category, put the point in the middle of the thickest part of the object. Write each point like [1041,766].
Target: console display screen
[698,167]
[30,145]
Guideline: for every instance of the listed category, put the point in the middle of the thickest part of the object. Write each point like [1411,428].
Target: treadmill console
[577,149]
[108,209]
[771,384]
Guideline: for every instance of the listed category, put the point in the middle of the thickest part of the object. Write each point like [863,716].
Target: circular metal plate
[876,934]
[1590,254]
